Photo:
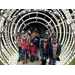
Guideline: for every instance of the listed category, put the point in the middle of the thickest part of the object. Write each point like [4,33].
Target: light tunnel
[62,21]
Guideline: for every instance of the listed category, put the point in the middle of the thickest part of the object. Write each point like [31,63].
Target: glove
[57,56]
[49,59]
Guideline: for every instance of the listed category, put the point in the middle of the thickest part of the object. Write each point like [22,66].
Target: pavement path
[13,61]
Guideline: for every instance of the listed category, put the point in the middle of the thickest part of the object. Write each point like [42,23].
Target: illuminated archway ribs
[52,19]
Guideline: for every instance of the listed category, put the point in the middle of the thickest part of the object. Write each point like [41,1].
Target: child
[28,37]
[24,45]
[18,44]
[44,50]
[32,51]
[33,35]
[47,34]
[54,51]
[36,41]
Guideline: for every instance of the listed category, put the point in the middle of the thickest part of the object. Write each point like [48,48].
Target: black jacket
[36,41]
[42,49]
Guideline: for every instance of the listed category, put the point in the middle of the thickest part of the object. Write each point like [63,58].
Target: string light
[67,51]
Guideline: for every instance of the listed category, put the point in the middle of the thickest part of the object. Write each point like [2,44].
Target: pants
[27,53]
[32,58]
[24,52]
[44,60]
[20,52]
[40,51]
[37,52]
[53,61]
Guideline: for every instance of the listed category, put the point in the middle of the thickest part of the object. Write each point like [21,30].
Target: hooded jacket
[32,51]
[25,45]
[36,41]
[50,50]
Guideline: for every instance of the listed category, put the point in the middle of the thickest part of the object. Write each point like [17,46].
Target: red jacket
[26,45]
[32,50]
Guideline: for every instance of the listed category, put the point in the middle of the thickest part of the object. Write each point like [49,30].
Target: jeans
[53,61]
[24,52]
[27,54]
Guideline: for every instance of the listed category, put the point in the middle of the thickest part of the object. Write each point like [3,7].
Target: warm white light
[67,39]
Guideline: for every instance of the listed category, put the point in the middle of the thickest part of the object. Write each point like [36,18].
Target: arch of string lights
[59,20]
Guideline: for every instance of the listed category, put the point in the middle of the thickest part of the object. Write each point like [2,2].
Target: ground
[14,58]
[30,63]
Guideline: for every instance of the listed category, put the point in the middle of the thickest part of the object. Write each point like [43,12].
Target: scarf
[45,45]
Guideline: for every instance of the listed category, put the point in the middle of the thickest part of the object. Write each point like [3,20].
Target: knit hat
[24,35]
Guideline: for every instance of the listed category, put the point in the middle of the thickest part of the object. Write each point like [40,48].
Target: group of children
[25,44]
[38,46]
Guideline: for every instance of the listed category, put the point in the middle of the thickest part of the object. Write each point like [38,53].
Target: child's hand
[17,49]
[49,59]
[28,51]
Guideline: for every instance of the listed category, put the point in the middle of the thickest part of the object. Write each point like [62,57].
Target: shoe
[49,62]
[30,60]
[18,59]
[23,62]
[28,57]
[37,58]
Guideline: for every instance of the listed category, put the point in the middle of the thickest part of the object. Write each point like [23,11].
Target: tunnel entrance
[56,19]
[38,26]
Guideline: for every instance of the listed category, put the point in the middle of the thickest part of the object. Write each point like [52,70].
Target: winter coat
[26,45]
[32,51]
[36,41]
[42,49]
[32,36]
[50,50]
[18,42]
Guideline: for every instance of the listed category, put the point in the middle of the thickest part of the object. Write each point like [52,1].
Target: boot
[23,62]
[19,59]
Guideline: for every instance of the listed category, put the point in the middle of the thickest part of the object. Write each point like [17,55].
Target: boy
[47,34]
[36,41]
[54,51]
[33,35]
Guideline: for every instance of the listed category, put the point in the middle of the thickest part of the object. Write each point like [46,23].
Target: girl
[28,37]
[24,45]
[44,50]
[32,51]
[18,44]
